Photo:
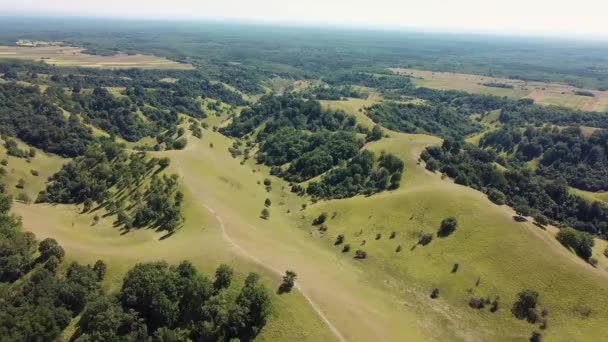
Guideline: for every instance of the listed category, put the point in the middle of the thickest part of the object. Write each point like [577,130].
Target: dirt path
[249,256]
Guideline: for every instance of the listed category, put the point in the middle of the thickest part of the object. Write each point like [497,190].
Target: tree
[526,300]
[320,219]
[288,281]
[425,239]
[339,239]
[267,202]
[360,254]
[49,248]
[164,162]
[447,227]
[100,269]
[375,134]
[265,214]
[250,311]
[223,277]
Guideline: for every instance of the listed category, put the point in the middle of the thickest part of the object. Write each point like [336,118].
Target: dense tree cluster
[331,93]
[38,303]
[177,303]
[362,174]
[348,78]
[525,111]
[528,193]
[308,154]
[113,178]
[27,114]
[287,111]
[439,119]
[568,153]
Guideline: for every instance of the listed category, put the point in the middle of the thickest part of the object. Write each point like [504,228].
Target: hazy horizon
[585,19]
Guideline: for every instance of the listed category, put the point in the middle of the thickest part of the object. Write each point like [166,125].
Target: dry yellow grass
[542,92]
[73,56]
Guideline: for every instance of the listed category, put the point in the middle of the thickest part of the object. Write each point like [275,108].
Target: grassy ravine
[384,297]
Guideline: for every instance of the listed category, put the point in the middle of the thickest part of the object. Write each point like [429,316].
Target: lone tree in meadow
[265,214]
[448,226]
[289,280]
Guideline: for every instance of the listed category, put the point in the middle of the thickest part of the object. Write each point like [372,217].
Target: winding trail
[249,256]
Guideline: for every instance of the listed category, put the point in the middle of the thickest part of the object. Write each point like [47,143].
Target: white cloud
[531,16]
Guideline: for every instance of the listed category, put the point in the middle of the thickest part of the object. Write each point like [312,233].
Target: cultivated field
[73,56]
[542,92]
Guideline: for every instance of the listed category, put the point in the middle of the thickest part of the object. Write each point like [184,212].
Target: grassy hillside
[383,297]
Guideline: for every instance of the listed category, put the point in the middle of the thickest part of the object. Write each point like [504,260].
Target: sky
[545,17]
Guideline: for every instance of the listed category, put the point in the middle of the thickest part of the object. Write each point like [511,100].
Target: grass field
[542,92]
[73,56]
[384,297]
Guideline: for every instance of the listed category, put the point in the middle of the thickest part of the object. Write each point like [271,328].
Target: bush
[320,220]
[581,242]
[346,248]
[265,214]
[393,235]
[267,202]
[339,240]
[35,173]
[288,281]
[477,303]
[497,197]
[360,254]
[526,301]
[542,220]
[23,197]
[425,239]
[536,337]
[448,226]
[50,248]
[435,293]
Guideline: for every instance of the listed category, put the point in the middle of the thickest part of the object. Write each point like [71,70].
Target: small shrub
[536,337]
[265,214]
[378,236]
[398,249]
[435,293]
[267,182]
[323,228]
[289,280]
[541,220]
[360,254]
[477,303]
[425,239]
[494,306]
[393,235]
[320,220]
[35,173]
[346,248]
[20,184]
[526,300]
[23,197]
[267,202]
[593,261]
[339,240]
[447,227]
[497,196]
[455,268]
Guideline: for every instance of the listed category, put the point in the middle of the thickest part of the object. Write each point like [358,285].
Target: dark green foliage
[525,111]
[360,175]
[425,239]
[581,242]
[360,254]
[107,165]
[265,214]
[339,240]
[309,155]
[498,85]
[331,93]
[346,248]
[447,227]
[100,269]
[567,153]
[287,111]
[526,300]
[584,93]
[41,305]
[536,337]
[16,247]
[223,277]
[497,197]
[385,82]
[527,192]
[50,248]
[289,280]
[320,219]
[376,134]
[33,118]
[435,293]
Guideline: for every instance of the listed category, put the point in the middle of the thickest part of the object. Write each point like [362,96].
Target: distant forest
[241,54]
